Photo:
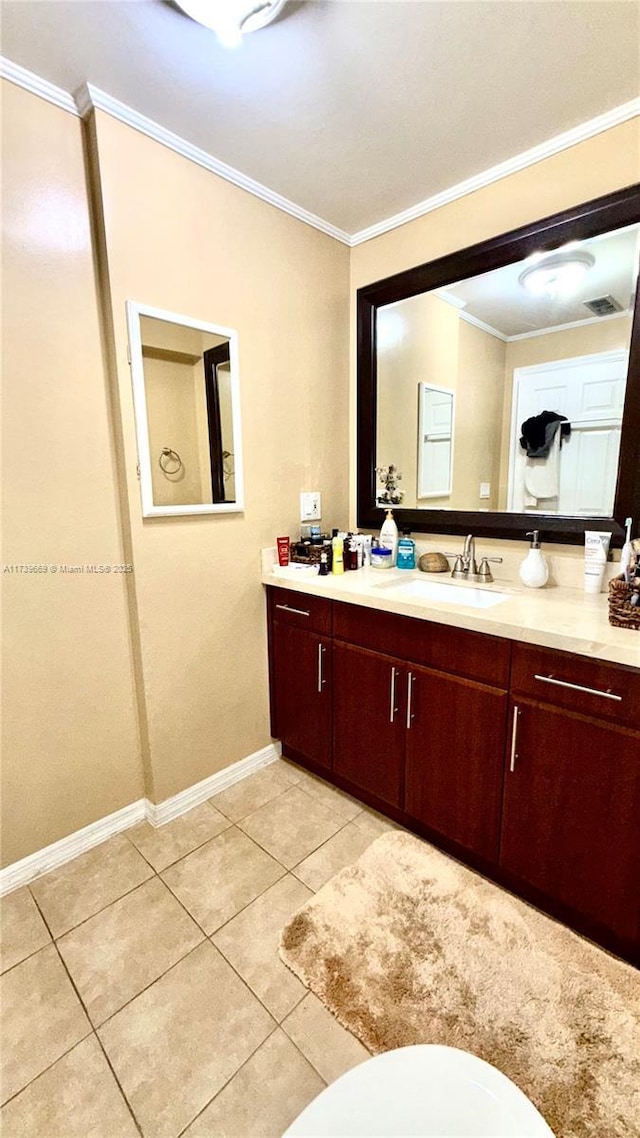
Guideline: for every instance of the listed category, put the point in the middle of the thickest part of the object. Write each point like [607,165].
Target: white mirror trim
[134,312]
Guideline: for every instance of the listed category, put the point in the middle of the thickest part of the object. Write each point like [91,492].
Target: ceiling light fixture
[557,276]
[231,19]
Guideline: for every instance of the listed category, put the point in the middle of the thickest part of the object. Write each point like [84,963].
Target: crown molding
[547,149]
[90,98]
[37,86]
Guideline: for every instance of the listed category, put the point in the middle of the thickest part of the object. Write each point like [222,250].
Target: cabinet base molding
[51,857]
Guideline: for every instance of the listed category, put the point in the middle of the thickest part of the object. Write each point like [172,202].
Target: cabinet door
[455,748]
[302,667]
[368,723]
[571,809]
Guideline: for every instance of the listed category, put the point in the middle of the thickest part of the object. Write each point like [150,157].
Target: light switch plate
[310,506]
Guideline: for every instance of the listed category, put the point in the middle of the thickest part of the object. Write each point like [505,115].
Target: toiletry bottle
[389,536]
[351,552]
[337,545]
[534,571]
[406,551]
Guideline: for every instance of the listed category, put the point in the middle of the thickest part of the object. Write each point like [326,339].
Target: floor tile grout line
[289,869]
[119,1084]
[260,894]
[247,985]
[84,920]
[287,873]
[170,864]
[47,1068]
[226,1083]
[321,802]
[234,821]
[318,848]
[25,958]
[103,1023]
[94,1032]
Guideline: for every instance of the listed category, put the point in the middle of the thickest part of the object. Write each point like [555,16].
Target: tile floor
[142,991]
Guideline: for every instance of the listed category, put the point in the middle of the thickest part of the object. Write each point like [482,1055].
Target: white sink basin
[451,594]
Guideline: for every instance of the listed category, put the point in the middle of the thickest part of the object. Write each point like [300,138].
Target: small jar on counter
[381,558]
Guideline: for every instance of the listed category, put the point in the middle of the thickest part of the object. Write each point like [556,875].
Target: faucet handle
[484,572]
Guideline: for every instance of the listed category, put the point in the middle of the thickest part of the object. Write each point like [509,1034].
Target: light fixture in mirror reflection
[549,334]
[187,408]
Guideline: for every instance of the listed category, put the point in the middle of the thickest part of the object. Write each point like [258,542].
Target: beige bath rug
[407,946]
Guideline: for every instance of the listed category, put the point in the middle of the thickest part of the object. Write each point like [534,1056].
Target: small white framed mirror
[186,399]
[435,441]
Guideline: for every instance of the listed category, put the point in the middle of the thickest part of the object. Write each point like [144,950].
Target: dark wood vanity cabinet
[300,665]
[571,814]
[521,760]
[368,721]
[454,758]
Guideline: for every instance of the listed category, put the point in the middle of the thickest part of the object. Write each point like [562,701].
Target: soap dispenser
[389,536]
[534,571]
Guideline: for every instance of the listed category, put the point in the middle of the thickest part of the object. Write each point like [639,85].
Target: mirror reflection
[187,414]
[435,439]
[535,357]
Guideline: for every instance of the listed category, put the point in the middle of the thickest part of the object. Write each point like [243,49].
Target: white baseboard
[26,870]
[21,872]
[194,795]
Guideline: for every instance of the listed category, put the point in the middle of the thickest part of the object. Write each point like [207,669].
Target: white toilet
[425,1091]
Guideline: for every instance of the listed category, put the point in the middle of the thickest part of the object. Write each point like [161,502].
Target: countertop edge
[599,640]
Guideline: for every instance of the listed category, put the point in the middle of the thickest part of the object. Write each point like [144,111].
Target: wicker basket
[621,612]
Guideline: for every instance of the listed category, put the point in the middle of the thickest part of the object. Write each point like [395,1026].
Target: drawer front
[577,683]
[300,610]
[469,654]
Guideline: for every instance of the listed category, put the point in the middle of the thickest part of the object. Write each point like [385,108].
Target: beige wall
[427,341]
[478,418]
[233,260]
[421,347]
[70,738]
[598,166]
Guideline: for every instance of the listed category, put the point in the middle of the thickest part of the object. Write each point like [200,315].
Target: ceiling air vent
[603,306]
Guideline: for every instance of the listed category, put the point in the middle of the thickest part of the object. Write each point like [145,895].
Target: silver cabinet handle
[288,608]
[393,708]
[578,687]
[410,682]
[321,680]
[514,738]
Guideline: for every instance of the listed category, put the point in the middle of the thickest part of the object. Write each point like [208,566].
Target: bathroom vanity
[477,731]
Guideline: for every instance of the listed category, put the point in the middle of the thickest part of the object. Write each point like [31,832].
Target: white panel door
[589,391]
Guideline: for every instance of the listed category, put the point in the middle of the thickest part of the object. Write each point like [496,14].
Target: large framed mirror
[187,409]
[534,338]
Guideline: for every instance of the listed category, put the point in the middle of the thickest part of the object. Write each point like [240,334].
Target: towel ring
[170,461]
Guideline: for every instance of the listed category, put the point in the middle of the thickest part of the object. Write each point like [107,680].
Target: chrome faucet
[466,567]
[469,562]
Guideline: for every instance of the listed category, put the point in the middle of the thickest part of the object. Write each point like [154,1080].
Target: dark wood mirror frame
[598,216]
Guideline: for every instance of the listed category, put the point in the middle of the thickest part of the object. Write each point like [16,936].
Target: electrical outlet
[310,508]
[485,489]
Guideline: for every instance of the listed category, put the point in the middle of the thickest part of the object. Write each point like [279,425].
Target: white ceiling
[353,109]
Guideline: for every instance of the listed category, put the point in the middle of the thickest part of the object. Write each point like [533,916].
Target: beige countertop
[554,617]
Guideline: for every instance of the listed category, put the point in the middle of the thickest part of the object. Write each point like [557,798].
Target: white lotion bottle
[534,571]
[389,536]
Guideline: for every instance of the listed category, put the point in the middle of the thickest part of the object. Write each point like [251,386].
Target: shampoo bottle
[389,536]
[534,572]
[337,545]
